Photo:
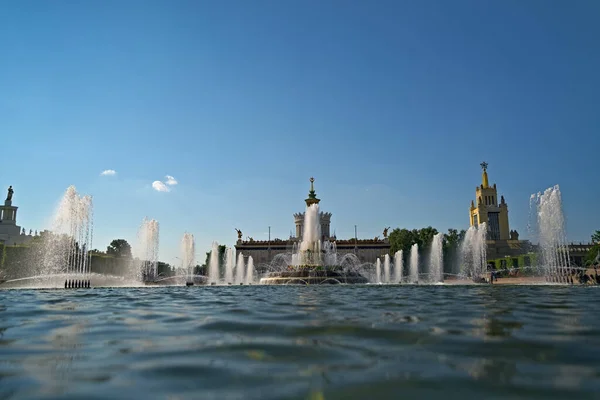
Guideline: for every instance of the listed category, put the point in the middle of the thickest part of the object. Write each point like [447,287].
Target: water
[317,342]
[309,251]
[473,251]
[377,278]
[386,268]
[146,250]
[188,255]
[551,233]
[66,249]
[213,264]
[240,269]
[250,271]
[229,265]
[398,266]
[414,263]
[436,258]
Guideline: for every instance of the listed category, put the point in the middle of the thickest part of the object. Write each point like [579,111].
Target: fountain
[554,251]
[250,271]
[377,278]
[213,266]
[146,249]
[414,263]
[229,265]
[62,258]
[312,261]
[188,257]
[66,249]
[473,253]
[436,259]
[386,269]
[239,269]
[398,266]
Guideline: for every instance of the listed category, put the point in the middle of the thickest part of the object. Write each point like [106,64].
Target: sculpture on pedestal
[10,193]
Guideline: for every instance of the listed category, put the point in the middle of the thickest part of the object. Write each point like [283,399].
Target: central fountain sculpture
[313,261]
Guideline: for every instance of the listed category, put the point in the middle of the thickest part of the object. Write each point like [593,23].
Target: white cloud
[171,180]
[108,172]
[160,187]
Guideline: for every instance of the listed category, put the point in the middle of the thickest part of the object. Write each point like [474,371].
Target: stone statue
[36,232]
[30,232]
[10,193]
[239,233]
[502,199]
[23,231]
[385,232]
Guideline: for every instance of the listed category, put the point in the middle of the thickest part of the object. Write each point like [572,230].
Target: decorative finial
[484,176]
[312,196]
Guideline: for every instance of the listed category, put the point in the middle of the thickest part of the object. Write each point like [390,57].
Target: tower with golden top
[489,209]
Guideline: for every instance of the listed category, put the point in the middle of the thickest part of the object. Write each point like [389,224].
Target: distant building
[503,244]
[488,208]
[263,251]
[10,233]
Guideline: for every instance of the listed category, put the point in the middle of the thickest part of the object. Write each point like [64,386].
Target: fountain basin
[312,275]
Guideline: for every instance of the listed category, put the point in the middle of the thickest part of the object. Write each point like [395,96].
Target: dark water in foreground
[332,342]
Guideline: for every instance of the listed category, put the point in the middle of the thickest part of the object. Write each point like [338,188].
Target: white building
[10,233]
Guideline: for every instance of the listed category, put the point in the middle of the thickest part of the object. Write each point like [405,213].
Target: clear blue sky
[391,105]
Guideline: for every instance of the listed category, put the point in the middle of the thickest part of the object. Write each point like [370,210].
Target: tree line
[403,239]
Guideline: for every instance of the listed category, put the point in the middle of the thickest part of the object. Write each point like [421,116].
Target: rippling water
[316,342]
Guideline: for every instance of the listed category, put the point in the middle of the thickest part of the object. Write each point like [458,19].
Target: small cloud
[108,172]
[160,187]
[170,180]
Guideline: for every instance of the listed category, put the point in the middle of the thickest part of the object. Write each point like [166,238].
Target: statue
[23,231]
[10,193]
[36,232]
[239,233]
[501,199]
[30,232]
[385,232]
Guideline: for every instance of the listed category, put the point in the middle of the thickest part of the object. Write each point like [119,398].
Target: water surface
[316,342]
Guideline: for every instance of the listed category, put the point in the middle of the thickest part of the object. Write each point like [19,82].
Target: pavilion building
[263,251]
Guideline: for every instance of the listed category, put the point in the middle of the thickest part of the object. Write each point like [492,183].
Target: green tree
[425,237]
[593,254]
[165,269]
[401,239]
[119,248]
[453,238]
[221,257]
[596,237]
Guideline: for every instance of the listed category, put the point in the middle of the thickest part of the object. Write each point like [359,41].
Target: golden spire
[484,176]
[312,196]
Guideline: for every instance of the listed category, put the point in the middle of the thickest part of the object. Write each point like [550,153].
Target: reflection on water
[274,342]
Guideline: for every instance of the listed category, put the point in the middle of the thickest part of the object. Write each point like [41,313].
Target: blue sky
[391,105]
